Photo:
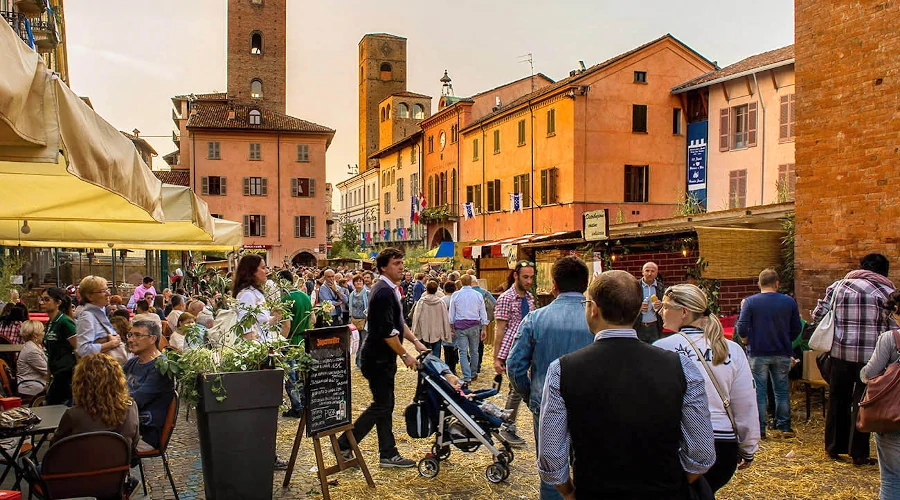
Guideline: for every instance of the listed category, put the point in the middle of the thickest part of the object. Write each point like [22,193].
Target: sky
[130,56]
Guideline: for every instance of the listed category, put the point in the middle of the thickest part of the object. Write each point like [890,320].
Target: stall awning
[495,248]
[445,250]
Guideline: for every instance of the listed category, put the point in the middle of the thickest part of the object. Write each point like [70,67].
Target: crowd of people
[632,385]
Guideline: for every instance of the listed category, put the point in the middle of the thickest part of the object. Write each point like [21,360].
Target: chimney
[497,100]
[581,67]
[137,133]
[231,113]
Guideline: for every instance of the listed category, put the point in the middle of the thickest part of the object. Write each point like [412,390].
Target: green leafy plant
[435,214]
[10,265]
[688,204]
[787,255]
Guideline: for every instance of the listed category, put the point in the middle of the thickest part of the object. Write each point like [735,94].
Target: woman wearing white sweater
[685,310]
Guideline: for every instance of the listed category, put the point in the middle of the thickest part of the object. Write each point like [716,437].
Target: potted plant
[236,396]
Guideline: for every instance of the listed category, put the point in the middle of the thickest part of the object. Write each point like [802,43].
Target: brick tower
[382,72]
[256,51]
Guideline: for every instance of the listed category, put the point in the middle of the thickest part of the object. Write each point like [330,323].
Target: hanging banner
[696,160]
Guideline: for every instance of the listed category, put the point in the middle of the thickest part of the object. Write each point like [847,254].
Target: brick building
[382,72]
[244,156]
[847,135]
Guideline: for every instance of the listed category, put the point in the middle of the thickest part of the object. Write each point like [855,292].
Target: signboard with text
[696,160]
[596,225]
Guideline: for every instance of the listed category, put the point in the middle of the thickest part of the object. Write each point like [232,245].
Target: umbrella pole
[56,258]
[113,260]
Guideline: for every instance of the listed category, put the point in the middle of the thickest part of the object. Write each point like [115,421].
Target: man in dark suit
[378,359]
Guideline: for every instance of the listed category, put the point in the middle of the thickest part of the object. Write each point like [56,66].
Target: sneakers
[396,461]
[347,455]
[788,434]
[280,463]
[292,414]
[511,437]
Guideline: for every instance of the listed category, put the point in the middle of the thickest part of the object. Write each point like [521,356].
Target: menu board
[328,383]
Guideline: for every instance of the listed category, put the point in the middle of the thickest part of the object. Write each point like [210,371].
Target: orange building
[609,136]
[246,158]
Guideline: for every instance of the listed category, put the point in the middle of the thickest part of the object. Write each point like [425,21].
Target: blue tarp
[445,250]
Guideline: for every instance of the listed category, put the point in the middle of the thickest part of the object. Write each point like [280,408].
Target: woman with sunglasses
[94,331]
[726,372]
[60,343]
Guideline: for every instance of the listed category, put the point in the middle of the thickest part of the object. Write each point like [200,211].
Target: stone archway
[442,234]
[305,259]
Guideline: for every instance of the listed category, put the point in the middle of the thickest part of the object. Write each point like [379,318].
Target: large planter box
[237,435]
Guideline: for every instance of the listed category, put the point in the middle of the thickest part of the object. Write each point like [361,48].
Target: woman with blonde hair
[726,371]
[94,331]
[32,374]
[102,402]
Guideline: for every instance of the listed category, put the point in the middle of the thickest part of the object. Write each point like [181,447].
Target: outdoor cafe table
[50,417]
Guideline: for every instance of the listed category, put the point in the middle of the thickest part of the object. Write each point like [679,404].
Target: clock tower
[382,72]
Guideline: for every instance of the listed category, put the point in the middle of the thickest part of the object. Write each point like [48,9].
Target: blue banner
[696,160]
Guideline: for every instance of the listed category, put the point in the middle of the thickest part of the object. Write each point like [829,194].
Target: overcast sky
[132,56]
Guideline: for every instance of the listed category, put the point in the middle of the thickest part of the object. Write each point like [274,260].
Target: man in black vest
[378,359]
[637,415]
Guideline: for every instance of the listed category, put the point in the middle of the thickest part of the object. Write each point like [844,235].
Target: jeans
[649,333]
[467,343]
[723,468]
[451,355]
[513,401]
[776,367]
[844,392]
[435,348]
[362,338]
[379,414]
[888,445]
[548,491]
[294,387]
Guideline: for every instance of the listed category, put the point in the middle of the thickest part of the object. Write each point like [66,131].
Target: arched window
[255,117]
[256,43]
[431,190]
[453,190]
[418,112]
[256,90]
[382,114]
[403,110]
[387,115]
[393,177]
[386,71]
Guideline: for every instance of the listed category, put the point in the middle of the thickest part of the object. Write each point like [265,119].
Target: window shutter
[470,194]
[478,200]
[497,194]
[791,116]
[527,189]
[723,129]
[204,183]
[490,197]
[222,185]
[312,227]
[246,186]
[554,198]
[246,225]
[262,225]
[296,226]
[294,187]
[784,121]
[751,125]
[265,186]
[544,187]
[312,187]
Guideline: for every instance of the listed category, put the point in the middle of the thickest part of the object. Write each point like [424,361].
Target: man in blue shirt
[333,293]
[648,323]
[151,390]
[546,334]
[769,322]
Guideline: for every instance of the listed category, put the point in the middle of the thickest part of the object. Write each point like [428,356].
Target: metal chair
[165,436]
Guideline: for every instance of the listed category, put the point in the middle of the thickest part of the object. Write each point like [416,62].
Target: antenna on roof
[529,58]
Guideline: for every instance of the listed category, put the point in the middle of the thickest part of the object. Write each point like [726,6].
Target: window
[430,190]
[496,141]
[787,182]
[639,118]
[522,185]
[212,150]
[403,110]
[383,113]
[256,89]
[400,189]
[306,188]
[443,188]
[676,121]
[393,175]
[304,226]
[548,186]
[302,152]
[213,185]
[256,43]
[387,112]
[521,132]
[640,77]
[254,225]
[400,159]
[737,189]
[387,203]
[493,195]
[431,144]
[255,117]
[786,128]
[256,186]
[255,151]
[414,185]
[454,134]
[386,71]
[453,189]
[475,150]
[737,127]
[551,122]
[217,216]
[473,196]
[637,183]
[418,112]
[413,155]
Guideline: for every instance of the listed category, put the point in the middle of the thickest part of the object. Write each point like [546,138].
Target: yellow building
[399,166]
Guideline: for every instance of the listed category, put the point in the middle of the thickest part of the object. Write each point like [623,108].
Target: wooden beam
[749,87]
[725,92]
[774,81]
[684,105]
[704,99]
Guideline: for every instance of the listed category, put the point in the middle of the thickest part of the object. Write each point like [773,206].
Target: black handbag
[418,422]
[823,361]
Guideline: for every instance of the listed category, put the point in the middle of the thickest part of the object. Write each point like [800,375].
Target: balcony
[46,36]
[439,214]
[176,138]
[17,22]
[30,7]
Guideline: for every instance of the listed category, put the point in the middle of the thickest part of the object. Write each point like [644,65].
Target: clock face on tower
[443,140]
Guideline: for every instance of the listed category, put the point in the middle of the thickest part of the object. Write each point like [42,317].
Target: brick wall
[846,147]
[270,67]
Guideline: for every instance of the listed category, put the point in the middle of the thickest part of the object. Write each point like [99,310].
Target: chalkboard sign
[328,383]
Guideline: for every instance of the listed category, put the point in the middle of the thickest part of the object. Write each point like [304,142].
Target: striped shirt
[697,452]
[509,309]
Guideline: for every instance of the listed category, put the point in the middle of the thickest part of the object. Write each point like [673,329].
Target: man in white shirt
[175,313]
[468,319]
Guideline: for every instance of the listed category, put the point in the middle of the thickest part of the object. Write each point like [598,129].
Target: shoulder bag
[725,401]
[823,336]
[879,409]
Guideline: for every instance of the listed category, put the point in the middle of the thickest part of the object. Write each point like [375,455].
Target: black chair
[165,436]
[93,464]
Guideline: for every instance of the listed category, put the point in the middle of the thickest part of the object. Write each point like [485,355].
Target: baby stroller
[455,420]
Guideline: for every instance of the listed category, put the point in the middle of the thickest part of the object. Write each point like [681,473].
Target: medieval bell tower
[382,72]
[257,38]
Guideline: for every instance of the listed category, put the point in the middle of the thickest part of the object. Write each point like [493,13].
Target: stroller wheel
[429,467]
[442,453]
[508,455]
[496,472]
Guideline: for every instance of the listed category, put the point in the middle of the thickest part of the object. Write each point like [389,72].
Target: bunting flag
[469,210]
[402,232]
[423,203]
[414,210]
[515,202]
[385,234]
[368,237]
